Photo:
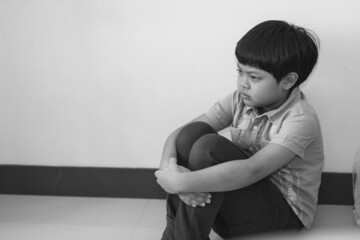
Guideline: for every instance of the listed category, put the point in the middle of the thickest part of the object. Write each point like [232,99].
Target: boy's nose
[243,82]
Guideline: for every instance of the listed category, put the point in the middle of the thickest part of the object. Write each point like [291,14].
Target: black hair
[279,48]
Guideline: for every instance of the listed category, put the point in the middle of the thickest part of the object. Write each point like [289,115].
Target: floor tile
[333,222]
[52,218]
[60,232]
[147,233]
[80,218]
[71,210]
[154,215]
[334,216]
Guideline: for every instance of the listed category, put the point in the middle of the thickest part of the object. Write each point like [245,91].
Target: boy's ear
[289,80]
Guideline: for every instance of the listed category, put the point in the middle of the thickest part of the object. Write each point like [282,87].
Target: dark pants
[258,208]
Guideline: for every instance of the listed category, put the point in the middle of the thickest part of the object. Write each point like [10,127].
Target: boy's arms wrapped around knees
[190,198]
[170,154]
[225,176]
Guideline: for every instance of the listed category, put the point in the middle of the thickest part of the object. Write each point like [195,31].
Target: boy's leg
[209,150]
[258,208]
[194,147]
[184,143]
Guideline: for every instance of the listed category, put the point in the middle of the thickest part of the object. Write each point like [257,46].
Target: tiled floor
[52,218]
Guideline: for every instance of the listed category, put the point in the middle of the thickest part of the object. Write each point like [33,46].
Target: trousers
[258,208]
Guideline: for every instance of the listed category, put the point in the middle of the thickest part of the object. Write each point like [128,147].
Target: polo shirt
[295,126]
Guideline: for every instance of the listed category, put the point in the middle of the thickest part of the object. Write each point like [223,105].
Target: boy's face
[260,89]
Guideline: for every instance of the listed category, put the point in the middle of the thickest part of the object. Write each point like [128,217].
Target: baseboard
[336,188]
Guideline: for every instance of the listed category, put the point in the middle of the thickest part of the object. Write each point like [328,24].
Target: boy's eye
[255,78]
[240,70]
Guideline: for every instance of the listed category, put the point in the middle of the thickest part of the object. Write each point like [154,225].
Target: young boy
[267,178]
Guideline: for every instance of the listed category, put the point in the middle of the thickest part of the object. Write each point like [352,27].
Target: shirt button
[255,127]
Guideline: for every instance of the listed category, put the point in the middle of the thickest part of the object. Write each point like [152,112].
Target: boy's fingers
[190,201]
[201,197]
[197,199]
[198,203]
[186,199]
[207,195]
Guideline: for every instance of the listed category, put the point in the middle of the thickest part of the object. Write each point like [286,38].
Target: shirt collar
[273,115]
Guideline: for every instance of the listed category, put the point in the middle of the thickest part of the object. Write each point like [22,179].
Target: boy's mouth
[246,96]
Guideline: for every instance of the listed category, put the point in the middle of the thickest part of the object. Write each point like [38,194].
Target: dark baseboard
[336,188]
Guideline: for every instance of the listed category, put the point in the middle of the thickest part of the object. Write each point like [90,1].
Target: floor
[52,218]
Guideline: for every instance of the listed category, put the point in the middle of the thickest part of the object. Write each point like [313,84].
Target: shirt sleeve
[222,112]
[297,132]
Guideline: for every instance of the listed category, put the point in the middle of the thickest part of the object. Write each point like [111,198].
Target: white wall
[102,83]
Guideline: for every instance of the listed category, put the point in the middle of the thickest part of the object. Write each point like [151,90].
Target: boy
[267,178]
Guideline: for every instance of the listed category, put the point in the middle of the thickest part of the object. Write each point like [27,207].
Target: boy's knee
[200,154]
[189,135]
[191,132]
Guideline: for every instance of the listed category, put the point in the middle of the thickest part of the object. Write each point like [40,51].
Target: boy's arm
[226,176]
[169,152]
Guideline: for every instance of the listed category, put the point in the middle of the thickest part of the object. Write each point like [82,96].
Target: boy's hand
[195,199]
[168,178]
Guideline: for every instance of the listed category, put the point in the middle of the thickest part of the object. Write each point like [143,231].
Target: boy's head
[279,48]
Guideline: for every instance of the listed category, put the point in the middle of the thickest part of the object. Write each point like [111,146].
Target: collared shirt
[295,126]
